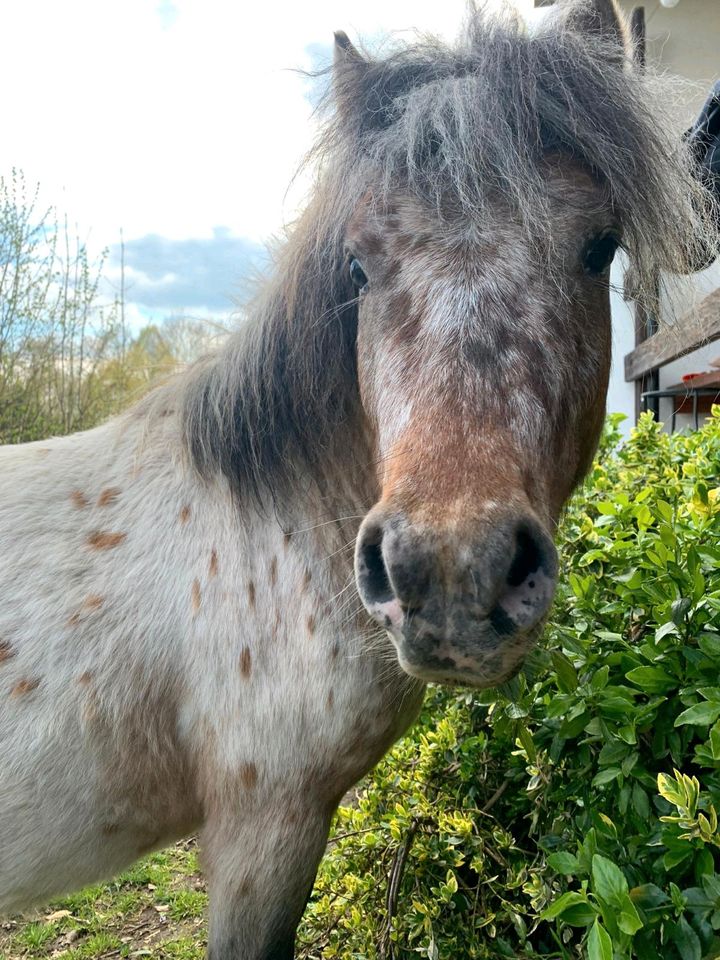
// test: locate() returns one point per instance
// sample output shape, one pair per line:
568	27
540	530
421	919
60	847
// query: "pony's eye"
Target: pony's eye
357	274
599	253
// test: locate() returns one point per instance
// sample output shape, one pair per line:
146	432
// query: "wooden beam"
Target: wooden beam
696	329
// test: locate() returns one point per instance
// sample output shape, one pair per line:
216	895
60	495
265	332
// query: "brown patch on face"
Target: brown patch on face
109	495
184	515
245	663
73	620
23	687
273	572
79	500
311	624
196	596
85	678
251	595
248	775
330	699
6	651
105	540
212	572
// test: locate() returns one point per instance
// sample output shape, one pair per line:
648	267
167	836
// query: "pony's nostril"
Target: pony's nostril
373	578
529	583
527	559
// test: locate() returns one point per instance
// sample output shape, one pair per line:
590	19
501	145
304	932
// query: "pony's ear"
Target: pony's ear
349	63
602	18
350	70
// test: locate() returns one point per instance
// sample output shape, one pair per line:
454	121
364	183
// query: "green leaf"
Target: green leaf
640	802
649	896
680	610
651	679
628	920
599	943
566	674
609	882
709	643
700	713
564	862
664	630
687	941
563	903
606	776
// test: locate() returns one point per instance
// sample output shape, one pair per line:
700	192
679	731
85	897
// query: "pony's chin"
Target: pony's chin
461	672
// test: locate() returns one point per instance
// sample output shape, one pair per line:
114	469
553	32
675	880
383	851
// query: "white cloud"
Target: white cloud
174	117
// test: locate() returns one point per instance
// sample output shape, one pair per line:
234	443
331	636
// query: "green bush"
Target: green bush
573	814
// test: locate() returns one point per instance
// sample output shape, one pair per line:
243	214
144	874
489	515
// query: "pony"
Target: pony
220	609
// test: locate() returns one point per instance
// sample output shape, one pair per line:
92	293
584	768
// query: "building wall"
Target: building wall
685	42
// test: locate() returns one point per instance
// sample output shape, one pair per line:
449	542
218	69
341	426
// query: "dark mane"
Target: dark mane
469	121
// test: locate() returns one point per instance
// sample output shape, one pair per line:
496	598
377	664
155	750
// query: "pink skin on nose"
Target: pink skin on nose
526	603
390	614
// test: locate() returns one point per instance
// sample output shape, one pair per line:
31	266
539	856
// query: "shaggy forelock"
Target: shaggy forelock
458	127
463	125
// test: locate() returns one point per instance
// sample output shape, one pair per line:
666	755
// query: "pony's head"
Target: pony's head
493	186
441	312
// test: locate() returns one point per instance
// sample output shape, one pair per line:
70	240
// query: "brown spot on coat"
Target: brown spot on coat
245	662
307	577
79	500
212	572
311	624
184	514
108	496
286	540
330	699
92	602
196	596
248	775
105	540
251	595
335	650
273	571
85	678
23	687
6	651
109	829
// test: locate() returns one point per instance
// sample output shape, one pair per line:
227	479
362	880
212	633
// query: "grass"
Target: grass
158	909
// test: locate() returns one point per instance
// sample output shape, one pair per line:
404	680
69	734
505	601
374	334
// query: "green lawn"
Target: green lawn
157	909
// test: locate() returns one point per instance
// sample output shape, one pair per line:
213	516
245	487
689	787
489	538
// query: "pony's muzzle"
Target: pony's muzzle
457	607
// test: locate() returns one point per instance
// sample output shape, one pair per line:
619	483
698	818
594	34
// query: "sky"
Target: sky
180	123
